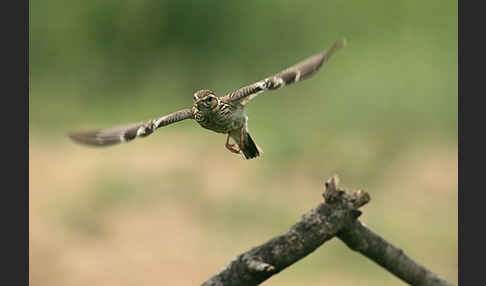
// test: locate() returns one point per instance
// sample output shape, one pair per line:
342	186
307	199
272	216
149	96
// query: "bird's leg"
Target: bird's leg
231	146
241	138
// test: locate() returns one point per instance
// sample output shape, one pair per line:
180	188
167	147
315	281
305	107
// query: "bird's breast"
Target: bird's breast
222	119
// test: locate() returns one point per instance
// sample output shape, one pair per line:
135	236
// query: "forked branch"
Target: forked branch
336	217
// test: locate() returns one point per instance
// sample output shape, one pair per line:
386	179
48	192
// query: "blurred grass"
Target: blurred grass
382	113
92	204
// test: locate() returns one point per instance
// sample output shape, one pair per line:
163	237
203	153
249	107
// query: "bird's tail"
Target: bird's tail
250	148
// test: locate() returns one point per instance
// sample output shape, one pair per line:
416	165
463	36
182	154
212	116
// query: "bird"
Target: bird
219	114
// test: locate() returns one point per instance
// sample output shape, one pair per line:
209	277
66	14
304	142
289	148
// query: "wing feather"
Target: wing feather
295	73
125	133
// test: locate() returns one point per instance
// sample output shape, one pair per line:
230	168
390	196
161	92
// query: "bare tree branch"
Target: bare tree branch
313	229
361	239
336	217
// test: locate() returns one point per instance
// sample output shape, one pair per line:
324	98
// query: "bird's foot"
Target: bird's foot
232	148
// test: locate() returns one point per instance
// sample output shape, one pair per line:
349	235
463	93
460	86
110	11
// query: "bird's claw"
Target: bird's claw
232	148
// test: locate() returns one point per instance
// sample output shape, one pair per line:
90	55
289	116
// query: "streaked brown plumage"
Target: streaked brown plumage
220	114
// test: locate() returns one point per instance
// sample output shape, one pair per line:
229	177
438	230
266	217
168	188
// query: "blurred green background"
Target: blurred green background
175	207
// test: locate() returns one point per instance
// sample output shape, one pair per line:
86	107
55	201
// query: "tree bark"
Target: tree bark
361	239
336	217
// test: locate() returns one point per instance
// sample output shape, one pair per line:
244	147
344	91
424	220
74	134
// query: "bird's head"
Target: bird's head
205	99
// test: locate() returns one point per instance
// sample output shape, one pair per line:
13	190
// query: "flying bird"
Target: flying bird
220	114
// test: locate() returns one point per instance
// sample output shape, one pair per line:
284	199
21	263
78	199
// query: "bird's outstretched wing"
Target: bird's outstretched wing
295	73
125	133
